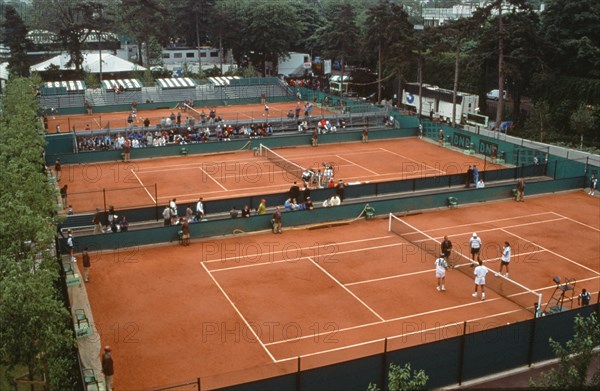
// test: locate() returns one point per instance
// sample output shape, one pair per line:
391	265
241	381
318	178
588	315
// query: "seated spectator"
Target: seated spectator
290	205
246	211
480	184
333	201
331	184
123	224
308	204
234	212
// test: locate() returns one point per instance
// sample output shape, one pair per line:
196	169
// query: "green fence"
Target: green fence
405	204
450	355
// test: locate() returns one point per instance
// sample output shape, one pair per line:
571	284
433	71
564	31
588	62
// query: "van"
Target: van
495	94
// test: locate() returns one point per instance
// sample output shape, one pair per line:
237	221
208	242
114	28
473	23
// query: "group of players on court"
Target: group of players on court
480	271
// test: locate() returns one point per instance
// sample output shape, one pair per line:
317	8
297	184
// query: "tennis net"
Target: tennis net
501	285
281	162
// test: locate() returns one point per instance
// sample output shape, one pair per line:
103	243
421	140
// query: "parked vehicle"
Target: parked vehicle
495	94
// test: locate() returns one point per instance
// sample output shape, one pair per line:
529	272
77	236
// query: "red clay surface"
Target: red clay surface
243	307
119	119
143	182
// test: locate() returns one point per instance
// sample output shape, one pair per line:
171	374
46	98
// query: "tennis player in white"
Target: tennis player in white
505	258
440	271
480	272
475	244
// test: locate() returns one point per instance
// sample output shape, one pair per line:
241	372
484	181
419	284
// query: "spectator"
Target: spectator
277	221
480	184
167	215
520	190
200	209
308	204
185	232
173	207
246	211
262	207
189	213
63	194
71	246
97	220
340	189
86	264
584	298
107	368
234	212
290	205
58	170
123	224
294	191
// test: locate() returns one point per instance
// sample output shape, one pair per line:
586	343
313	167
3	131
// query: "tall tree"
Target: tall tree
386	29
340	33
573	28
144	20
15	37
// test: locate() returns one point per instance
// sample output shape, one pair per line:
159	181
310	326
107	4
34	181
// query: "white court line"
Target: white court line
310	247
346	289
211	177
477	302
494	229
238	312
414	161
552	252
139	180
578	222
489	221
303	257
357	165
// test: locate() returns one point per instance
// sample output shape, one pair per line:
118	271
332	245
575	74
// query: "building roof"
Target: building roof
91	63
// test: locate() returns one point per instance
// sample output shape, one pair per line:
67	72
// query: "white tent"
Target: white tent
91	63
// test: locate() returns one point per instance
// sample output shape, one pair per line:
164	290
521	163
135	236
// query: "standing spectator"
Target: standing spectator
126	150
469	176
97	220
340	190
315	138
63	195
294	191
107	368
189	213
584	298
262	207
146	122
277	221
440	271
365	134
593	184
200	209
86	264
480	272
173	207
537	311
58	169
441	137
71	246
447	248
185	232
520	190
505	258
306	192
167	216
420	130
475	174
475	244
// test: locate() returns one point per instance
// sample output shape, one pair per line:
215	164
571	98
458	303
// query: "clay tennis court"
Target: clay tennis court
234	309
236	174
115	120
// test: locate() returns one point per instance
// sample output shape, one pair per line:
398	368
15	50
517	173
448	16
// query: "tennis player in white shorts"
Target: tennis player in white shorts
480	272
